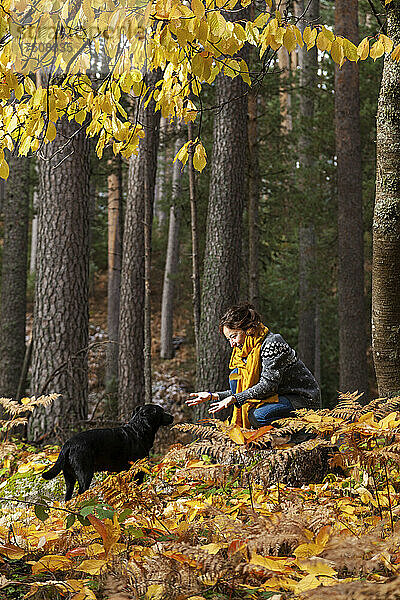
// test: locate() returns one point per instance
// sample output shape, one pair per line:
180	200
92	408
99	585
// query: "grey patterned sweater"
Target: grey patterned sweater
281	373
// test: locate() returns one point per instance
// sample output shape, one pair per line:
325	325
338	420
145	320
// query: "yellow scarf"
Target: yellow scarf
248	364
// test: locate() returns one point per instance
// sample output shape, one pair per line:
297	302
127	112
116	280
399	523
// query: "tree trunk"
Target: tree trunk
114	270
285	98
196	296
172	260
131	385
352	323
254	196
13	276
386	224
160	187
308	63
34	232
224	227
61	315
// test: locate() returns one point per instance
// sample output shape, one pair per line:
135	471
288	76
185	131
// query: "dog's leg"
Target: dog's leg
84	480
70	481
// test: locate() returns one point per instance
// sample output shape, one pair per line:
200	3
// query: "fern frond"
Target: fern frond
348	407
209	432
17	422
178	453
45	400
385	408
214	473
10	406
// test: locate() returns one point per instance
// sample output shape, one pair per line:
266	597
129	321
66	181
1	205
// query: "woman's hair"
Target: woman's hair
241	316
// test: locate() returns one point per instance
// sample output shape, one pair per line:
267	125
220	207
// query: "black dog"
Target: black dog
108	449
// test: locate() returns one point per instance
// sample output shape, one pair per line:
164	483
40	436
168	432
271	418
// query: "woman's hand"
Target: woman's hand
217	406
199	397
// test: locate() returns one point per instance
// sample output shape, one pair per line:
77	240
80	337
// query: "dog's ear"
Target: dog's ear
135	411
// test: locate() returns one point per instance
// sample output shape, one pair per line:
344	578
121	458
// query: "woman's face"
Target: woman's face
235	337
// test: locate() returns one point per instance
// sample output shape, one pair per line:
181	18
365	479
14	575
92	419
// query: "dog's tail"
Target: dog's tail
57	467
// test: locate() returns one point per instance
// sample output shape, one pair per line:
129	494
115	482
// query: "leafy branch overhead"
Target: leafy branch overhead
117	44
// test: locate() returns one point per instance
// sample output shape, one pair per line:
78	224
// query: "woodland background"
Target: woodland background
288	195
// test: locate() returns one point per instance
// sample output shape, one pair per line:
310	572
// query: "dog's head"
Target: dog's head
152	413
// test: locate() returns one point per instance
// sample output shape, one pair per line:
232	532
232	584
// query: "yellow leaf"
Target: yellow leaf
363	49
199	157
389	421
11	551
214	548
84	594
268	563
309	582
154	592
316	566
367	418
198	8
309	36
323	536
337	52
51	132
297	33
289	40
387	42
377	50
51	562
182	154
323	42
350	50
236	435
396	53
92	566
4	170
308	550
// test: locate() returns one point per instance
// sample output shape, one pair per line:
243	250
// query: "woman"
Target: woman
267	380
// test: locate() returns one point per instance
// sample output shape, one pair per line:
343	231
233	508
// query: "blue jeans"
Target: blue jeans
265	414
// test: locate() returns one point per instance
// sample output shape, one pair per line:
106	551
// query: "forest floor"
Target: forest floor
213	519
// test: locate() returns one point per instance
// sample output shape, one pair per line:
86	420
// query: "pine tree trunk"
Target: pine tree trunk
13	276
352	323
61	315
254	197
386	224
224	228
308	63
114	270
131	364
172	261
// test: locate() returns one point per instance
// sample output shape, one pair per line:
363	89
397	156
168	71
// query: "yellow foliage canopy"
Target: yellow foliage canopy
123	40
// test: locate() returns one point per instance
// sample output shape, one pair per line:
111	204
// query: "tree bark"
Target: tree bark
308	63
61	315
131	385
159	191
114	270
351	305
254	197
196	296
224	227
14	275
172	260
386	224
